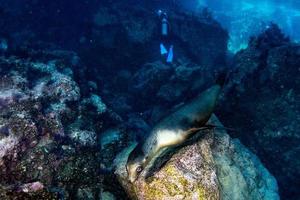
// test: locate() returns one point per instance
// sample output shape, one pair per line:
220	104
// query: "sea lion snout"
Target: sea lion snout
135	163
134	171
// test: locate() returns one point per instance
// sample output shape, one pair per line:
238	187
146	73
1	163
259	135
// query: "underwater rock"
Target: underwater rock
111	142
200	38
96	102
240	173
10	93
260	101
107	196
83	137
39	142
212	167
184	176
171	92
120	104
64	88
169	85
150	77
7	145
187	73
85	194
9	96
31	187
78	174
135	29
109	137
7	193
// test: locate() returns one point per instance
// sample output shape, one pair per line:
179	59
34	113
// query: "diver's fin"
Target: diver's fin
163	49
170	55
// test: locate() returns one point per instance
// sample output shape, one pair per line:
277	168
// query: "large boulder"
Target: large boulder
210	167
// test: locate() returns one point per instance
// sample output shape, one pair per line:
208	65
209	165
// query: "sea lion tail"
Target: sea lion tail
221	78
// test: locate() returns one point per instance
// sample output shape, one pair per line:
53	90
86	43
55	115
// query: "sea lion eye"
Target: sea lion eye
139	169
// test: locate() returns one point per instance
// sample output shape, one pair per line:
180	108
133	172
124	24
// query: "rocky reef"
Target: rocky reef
58	142
211	167
65	116
262	102
48	150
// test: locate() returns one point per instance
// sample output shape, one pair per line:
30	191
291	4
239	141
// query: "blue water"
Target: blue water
249	17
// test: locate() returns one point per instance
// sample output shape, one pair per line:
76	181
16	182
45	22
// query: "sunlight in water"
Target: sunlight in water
249	17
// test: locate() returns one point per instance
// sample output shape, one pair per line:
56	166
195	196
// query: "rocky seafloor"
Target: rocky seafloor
66	117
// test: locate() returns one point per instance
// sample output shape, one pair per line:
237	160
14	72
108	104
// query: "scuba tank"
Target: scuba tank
164	25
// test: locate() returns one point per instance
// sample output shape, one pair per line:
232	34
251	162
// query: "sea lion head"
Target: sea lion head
135	163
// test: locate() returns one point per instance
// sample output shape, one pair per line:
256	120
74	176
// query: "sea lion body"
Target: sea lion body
173	130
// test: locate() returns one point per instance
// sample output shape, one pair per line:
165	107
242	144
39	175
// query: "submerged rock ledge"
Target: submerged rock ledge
213	167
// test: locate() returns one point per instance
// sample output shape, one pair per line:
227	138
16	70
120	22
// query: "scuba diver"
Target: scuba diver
165	37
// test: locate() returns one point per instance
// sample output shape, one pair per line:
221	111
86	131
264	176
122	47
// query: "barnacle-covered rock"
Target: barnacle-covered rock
38	105
212	167
96	102
80	170
83	137
64	88
27	191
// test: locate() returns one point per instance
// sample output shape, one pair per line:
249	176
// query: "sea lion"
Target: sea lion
174	129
